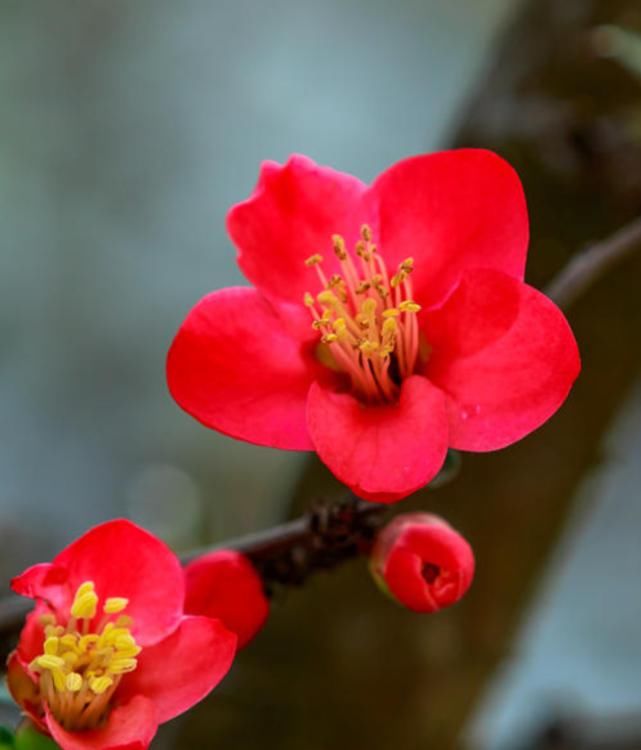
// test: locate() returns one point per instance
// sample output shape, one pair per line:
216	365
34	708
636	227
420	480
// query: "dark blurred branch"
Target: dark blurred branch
331	534
590	265
321	539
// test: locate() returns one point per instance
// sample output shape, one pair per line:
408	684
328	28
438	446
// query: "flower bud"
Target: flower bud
225	585
422	562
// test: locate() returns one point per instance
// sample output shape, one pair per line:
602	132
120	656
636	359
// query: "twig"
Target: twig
329	535
587	267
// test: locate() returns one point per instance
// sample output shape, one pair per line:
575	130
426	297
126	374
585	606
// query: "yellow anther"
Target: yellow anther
362	251
407	265
363	287
308	300
125	641
73	682
327	298
85	588
51	645
339	325
389	326
339	246
368	308
409	305
71	658
314	260
87	641
115	604
100	684
335	280
124	621
122	666
52	631
366	233
48	661
329	338
58	679
392	312
85	602
368	347
47	620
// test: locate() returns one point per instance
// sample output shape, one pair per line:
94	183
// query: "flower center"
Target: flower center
366	319
81	666
430	572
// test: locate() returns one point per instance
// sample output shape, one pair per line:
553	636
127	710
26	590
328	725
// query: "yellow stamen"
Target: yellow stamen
46	661
51	645
85	602
365	319
80	670
327	298
73	682
339	246
120	666
115	604
100	684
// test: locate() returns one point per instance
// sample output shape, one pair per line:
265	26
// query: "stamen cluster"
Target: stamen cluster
81	667
367	319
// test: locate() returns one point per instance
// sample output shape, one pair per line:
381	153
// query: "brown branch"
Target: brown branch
590	265
329	535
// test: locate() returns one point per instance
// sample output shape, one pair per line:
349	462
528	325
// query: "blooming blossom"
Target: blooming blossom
386	323
224	584
108	654
422	562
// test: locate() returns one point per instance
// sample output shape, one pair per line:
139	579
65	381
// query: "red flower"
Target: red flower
107	654
422	562
224	584
422	337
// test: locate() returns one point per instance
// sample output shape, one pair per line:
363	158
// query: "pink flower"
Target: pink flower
224	584
108	654
422	562
387	322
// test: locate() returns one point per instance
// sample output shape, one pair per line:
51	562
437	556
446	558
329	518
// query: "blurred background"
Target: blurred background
127	129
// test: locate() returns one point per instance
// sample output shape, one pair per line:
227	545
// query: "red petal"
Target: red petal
383	453
44	581
181	670
292	214
451	211
224	584
23	687
130	727
124	560
32	636
505	356
239	368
